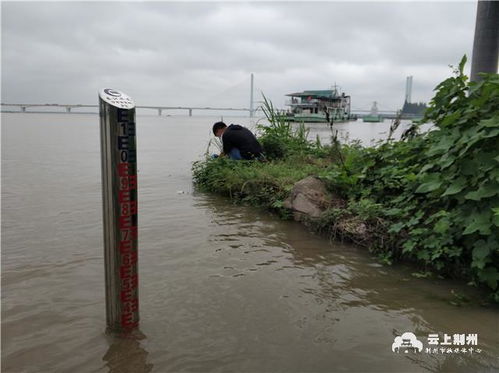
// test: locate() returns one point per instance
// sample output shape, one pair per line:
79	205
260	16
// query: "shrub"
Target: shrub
440	189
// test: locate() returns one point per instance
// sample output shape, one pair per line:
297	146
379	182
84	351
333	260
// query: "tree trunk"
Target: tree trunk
486	43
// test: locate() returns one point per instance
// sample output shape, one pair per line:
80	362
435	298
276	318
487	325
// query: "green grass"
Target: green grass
265	184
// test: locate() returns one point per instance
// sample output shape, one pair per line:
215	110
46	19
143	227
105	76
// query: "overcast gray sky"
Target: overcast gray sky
192	53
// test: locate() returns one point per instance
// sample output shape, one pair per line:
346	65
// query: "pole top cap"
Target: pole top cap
116	98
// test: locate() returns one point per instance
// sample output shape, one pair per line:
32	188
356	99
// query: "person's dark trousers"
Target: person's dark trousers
235	154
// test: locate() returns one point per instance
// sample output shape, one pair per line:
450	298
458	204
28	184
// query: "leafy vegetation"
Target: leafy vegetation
432	197
279	139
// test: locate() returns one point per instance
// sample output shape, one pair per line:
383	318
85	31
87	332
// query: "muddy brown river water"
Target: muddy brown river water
223	288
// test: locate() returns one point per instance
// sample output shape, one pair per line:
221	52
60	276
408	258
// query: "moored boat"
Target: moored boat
326	106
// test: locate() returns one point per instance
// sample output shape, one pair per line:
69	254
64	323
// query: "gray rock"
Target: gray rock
308	197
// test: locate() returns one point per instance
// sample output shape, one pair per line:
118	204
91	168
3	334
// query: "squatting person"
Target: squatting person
238	142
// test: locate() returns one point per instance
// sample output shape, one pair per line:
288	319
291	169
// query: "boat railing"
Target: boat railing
312	102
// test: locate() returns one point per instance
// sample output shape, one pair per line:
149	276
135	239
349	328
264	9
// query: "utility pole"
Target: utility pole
408	89
251	97
486	42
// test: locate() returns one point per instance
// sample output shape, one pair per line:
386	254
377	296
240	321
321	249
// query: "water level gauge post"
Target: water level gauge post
120	210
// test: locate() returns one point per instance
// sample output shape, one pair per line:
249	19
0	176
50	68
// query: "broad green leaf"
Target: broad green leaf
449	119
492	122
485	160
490	276
442	225
429	186
480	222
426	167
423	254
443	146
480	254
495	220
429	182
408	246
482	251
395	228
490	133
456	186
494	174
469	167
483	192
393	212
417	231
411	176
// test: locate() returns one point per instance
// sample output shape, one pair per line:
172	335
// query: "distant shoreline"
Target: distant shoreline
95	113
45	112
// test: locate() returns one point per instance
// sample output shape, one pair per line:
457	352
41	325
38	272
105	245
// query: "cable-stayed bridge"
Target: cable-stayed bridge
228	99
234	94
69	108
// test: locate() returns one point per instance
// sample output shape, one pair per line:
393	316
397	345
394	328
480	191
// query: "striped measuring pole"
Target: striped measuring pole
119	199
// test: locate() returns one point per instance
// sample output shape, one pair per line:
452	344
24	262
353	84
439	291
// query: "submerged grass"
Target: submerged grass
430	198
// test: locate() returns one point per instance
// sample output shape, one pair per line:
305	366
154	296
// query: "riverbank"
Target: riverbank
431	198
